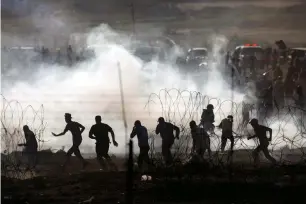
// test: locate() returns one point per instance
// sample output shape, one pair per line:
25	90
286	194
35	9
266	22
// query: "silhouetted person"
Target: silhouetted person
289	81
143	143
200	140
99	132
247	106
69	54
76	130
227	57
266	106
30	146
274	59
260	133
208	118
299	96
279	93
277	72
166	130
227	132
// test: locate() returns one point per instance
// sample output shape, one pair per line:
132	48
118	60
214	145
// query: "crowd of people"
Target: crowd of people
267	93
168	132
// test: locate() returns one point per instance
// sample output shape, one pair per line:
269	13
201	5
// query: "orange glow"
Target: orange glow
251	45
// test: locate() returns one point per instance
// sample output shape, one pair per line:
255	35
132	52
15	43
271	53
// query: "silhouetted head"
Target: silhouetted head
254	122
161	120
210	107
137	123
68	117
192	124
230	117
98	119
26	128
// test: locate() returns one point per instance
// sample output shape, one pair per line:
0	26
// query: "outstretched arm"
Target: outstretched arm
251	137
22	144
177	131
220	125
63	133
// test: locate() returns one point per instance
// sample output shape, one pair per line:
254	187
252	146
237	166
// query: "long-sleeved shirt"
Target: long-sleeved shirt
142	135
166	131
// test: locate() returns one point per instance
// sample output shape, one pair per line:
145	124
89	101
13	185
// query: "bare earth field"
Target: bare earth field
181	185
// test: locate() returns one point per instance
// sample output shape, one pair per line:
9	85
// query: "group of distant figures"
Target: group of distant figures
279	91
200	134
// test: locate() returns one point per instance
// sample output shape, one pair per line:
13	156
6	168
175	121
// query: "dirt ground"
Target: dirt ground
215	185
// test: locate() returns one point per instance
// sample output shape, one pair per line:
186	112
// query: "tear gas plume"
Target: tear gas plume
91	88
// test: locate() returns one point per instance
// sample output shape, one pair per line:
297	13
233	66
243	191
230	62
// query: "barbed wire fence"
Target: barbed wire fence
181	106
13	117
178	107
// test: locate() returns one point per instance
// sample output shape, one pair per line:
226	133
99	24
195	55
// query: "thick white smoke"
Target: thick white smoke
91	88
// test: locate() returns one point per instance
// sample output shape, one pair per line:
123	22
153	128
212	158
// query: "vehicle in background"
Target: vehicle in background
197	57
248	59
299	52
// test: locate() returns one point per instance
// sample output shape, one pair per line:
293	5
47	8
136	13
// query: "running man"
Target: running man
227	132
99	132
208	118
76	130
260	133
30	146
165	130
201	140
142	135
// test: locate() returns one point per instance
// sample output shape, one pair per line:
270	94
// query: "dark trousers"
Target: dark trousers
31	155
262	147
75	149
143	155
225	136
166	151
103	158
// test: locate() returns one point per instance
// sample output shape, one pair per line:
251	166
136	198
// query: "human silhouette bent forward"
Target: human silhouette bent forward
30	146
99	132
260	133
166	130
201	141
76	130
143	143
227	132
